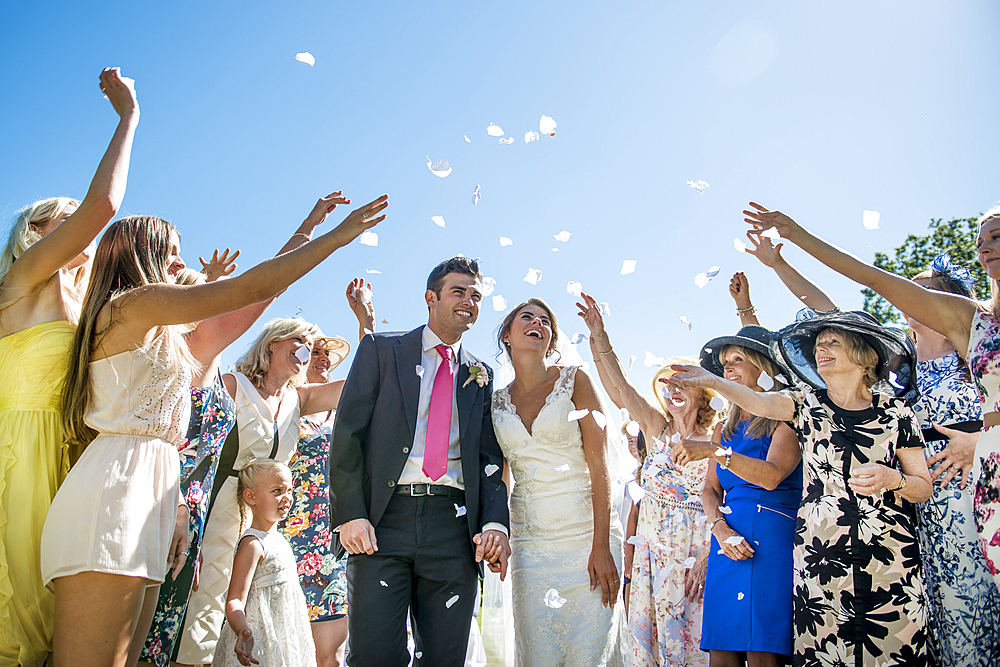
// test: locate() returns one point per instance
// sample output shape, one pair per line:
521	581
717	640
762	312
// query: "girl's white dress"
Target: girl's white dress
275	609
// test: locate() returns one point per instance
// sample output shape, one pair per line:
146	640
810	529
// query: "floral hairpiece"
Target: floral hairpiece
960	274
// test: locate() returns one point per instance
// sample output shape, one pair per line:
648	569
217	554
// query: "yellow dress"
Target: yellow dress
34	460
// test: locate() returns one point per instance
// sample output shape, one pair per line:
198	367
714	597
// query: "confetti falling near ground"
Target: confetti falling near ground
628	266
459	509
700	186
439	168
452	600
870	219
306	58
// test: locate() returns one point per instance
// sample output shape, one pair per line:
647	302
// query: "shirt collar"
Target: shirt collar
430	340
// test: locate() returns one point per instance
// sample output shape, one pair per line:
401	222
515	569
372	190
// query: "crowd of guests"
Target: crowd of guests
823	493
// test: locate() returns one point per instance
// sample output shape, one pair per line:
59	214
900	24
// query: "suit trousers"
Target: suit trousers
424	564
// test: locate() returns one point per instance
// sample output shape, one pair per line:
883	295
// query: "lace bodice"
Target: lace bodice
278	564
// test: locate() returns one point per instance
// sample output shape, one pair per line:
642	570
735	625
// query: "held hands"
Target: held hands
694	578
120	91
244	648
763	219
873	478
603	573
493	547
179	542
358	537
723	532
739	289
219	266
958	456
687	451
363	310
361	219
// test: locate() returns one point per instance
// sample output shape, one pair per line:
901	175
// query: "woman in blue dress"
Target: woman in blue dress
751	499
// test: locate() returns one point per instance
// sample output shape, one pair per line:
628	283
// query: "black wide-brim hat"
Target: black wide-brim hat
752	337
897	356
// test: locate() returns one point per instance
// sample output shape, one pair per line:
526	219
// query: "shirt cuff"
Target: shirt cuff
497	526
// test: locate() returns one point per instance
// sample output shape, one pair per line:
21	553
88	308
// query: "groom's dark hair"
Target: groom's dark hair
463	265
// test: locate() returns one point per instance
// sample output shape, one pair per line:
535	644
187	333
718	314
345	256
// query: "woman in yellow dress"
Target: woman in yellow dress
43	276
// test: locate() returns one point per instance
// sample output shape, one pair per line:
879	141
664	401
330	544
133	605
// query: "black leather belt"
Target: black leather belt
429	490
932	434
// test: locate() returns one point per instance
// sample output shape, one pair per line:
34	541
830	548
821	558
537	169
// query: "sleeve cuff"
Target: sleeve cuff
498	527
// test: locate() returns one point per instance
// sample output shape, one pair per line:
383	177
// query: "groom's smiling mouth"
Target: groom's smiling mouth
464	314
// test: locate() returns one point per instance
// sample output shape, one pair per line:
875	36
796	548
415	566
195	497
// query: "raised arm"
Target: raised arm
363	309
948	314
602	373
739	289
805	290
43	259
776	405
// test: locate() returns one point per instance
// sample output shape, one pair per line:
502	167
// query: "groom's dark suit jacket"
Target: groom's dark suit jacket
375	426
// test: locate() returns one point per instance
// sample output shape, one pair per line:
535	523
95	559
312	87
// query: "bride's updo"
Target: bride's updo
504	328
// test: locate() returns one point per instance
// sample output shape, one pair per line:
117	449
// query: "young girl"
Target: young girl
264	592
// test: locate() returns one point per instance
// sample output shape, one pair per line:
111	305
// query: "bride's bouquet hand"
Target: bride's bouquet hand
603	573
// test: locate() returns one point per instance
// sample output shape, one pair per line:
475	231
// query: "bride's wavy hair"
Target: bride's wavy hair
504	329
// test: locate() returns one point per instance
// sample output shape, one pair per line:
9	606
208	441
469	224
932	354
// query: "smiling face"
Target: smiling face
530	331
988	246
681	401
271	497
286	359
738	368
319	364
845	358
174	262
456	309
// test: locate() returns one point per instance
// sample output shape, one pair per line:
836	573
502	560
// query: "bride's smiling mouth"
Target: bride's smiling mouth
534	333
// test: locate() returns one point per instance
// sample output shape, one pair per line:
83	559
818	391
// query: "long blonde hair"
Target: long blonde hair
707	415
758	426
994	284
248	477
133	252
257	359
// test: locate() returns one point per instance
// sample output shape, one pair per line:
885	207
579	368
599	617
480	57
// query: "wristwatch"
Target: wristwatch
902	482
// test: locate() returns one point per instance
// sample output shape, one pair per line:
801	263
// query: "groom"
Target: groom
416	481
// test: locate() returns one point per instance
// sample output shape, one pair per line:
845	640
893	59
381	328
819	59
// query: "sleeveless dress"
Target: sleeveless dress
275	611
984	363
307	528
116	510
671	529
33	463
748	603
964	602
256	424
859	594
558	620
213	414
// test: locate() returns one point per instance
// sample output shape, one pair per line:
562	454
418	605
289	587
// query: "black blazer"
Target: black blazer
375	425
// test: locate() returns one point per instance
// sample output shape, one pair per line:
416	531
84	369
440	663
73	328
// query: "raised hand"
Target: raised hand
120	91
324	207
689	376
363	309
219	266
739	289
591	313
764	248
360	220
740	551
958	456
763	219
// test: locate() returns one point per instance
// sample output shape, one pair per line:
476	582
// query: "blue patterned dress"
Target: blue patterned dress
307	528
964	601
213	414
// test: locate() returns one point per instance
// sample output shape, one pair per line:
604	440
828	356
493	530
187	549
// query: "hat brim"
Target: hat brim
337	347
711	353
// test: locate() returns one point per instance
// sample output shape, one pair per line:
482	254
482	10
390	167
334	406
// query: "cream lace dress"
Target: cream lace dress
558	620
275	610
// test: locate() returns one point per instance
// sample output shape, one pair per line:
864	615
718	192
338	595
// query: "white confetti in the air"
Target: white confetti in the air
771	233
628	266
555	249
384	585
491	468
494	130
499	303
893	380
734	540
574	287
302	354
652	360
373	271
530	136
460	510
739	245
577	338
534	275
689	562
562	236
605	308
477	194
418	655
739	596
563	468
368	238
508	141
675	438
467	139
504	241
439	168
489	284
632	428
306	58
870	219
725	510
631	360
717	404
686	321
363	294
782	379
575	415
703	279
452	600
700	186
599	419
420	371
438	220
635	492
546	125
766	382
635	540
553	600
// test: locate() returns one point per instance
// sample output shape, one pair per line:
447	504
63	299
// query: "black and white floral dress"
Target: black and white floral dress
859	598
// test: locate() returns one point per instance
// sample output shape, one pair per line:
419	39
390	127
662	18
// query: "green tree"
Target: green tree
957	237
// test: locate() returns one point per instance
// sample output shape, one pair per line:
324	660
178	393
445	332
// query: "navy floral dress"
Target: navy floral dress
213	413
323	577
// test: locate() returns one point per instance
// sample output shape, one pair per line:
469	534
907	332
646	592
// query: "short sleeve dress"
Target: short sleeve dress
859	598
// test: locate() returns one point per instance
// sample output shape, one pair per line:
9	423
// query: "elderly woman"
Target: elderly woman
665	597
859	597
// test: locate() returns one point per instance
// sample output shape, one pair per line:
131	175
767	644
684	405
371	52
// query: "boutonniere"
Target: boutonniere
477	372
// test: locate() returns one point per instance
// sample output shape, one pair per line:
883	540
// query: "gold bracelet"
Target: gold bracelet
743	311
308	238
608	352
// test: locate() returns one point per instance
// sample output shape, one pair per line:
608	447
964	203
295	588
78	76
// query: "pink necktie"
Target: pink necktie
439	418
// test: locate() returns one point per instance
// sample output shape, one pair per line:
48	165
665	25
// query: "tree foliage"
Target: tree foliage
957	237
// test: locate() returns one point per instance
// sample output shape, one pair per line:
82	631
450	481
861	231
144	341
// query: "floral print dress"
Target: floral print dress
672	528
307	527
964	602
859	598
984	362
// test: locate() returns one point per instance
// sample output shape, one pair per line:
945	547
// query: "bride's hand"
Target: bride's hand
603	573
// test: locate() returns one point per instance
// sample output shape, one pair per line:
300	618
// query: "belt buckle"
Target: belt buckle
417	490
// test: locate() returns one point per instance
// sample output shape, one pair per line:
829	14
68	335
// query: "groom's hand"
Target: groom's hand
492	546
358	537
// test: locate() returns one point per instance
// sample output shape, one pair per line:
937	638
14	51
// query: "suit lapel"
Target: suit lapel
407	355
466	393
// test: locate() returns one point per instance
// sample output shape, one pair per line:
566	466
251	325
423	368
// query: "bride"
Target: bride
566	537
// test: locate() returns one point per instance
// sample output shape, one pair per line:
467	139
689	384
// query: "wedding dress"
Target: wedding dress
558	620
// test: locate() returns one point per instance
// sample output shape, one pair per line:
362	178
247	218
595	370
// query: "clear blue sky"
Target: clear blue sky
820	109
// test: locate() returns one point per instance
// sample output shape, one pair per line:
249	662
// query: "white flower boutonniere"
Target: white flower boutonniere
477	372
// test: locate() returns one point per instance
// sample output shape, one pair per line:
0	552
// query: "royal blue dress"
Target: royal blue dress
748	603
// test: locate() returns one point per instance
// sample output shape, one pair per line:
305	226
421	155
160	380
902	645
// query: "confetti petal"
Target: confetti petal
499	303
782	379
439	168
534	275
385	321
628	266
605	309
686	321
631	360
553	600
660	458
894	381
739	596
870	219
363	294
420	370
530	136
546	125
575	415
460	510
675	438
703	279
373	271
452	600
689	562
771	233
632	428
477	194
700	186
635	492
437	220
384	585
562	236
508	141
418	655
725	510
739	245
494	130
368	238
577	338
635	540
490	469
724	451
302	354
489	284
766	382
717	404
734	540
467	139
574	287
306	58
504	241
563	468
599	419
661	578
652	360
